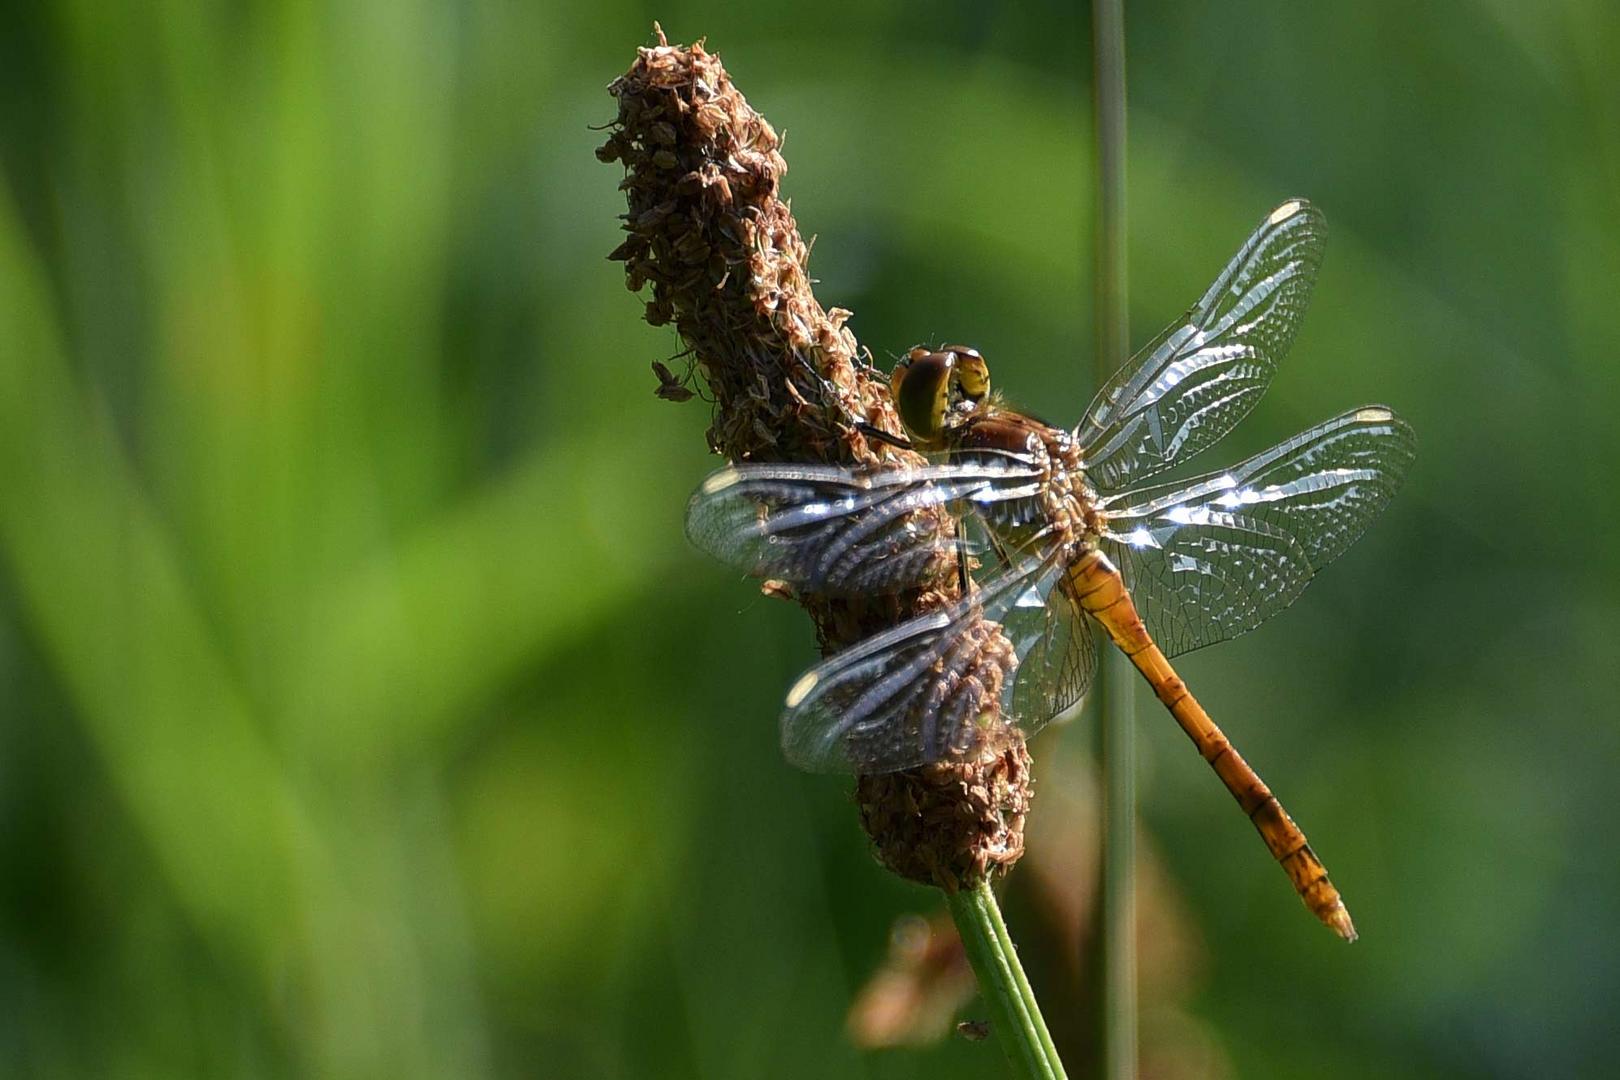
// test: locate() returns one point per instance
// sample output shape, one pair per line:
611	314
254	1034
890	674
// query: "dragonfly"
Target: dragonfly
1070	532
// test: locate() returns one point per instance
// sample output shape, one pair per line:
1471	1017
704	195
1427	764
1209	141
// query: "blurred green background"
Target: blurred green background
362	712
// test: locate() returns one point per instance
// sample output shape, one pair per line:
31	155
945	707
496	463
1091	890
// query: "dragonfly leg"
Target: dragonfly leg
1096	586
964	580
872	431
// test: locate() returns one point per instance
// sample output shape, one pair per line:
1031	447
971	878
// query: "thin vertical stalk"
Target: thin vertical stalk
1116	682
1014	1015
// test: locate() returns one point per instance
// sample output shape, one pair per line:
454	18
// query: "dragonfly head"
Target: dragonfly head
929	386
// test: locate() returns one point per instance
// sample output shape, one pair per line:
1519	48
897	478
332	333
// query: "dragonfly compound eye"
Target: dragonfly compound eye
921	386
971	372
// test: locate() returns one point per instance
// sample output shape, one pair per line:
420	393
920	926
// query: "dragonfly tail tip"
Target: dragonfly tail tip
1338	920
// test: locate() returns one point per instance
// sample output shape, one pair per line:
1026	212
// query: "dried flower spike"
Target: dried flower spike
709	232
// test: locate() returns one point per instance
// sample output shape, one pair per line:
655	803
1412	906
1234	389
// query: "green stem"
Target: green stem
1015	1016
1116	683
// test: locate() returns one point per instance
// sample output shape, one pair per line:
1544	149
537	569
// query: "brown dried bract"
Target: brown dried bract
709	232
925	980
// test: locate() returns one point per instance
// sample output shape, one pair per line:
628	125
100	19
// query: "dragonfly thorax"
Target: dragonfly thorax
1057	501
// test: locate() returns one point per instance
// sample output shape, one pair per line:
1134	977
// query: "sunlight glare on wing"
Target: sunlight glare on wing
720	480
840	531
1140	537
1233	548
798	691
1284	212
1030	598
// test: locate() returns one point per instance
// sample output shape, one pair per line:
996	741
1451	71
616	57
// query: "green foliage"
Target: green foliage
363	713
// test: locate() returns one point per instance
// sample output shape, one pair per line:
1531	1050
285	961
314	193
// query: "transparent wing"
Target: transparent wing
841	531
1057	656
1194	382
919	692
1057	660
1212	558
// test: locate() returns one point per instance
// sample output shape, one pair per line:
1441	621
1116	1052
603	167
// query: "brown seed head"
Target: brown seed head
710	233
953	823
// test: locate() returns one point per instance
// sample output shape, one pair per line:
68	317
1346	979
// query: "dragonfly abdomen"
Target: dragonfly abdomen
1097	588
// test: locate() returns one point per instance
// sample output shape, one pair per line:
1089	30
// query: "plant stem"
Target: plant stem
1015	1016
1116	683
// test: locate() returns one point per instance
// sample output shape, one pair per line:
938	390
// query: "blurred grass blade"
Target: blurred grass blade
105	588
1117	683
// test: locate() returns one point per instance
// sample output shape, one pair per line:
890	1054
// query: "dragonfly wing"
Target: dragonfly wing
1214	557
919	692
1057	660
1191	385
1053	640
837	531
